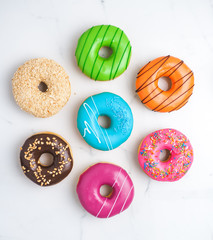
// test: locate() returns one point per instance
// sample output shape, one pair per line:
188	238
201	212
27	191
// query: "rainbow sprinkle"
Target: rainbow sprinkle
180	150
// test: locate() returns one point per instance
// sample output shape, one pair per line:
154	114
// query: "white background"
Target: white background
179	210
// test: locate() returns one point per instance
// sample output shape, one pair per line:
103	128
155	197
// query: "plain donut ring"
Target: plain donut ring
55	94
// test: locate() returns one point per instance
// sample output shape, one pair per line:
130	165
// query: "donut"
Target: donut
90	182
44	74
182	79
95	66
112	106
179	162
46	142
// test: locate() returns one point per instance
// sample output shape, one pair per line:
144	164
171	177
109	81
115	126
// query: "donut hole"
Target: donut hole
104	121
46	159
106	190
165	83
164	155
42	86
105	52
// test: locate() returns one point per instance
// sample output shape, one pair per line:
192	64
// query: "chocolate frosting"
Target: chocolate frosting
41	143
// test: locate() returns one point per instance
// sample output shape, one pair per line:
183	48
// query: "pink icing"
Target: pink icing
88	190
181	155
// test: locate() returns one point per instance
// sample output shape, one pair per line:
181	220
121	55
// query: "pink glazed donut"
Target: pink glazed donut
179	162
88	190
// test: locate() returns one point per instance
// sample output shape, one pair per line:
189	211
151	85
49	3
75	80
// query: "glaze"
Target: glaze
156	99
116	109
38	144
90	182
181	155
87	52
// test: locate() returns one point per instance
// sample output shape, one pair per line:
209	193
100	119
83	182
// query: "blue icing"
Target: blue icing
116	109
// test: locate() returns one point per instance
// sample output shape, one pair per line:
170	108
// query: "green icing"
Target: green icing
92	64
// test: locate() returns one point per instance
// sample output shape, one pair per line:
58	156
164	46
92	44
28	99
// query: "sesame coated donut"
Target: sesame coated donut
95	66
35	73
46	142
182	79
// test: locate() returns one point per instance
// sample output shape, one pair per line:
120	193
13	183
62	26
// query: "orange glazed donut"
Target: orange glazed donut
177	96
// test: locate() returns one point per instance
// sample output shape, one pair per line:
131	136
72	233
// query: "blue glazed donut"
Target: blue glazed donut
112	106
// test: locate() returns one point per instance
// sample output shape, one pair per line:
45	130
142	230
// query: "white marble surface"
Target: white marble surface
179	210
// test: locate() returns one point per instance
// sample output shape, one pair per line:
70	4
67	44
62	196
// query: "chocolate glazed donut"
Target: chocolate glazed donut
31	152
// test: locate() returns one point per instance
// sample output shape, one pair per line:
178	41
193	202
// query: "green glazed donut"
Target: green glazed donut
87	52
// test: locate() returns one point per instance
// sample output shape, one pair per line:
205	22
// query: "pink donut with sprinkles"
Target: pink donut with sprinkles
179	162
90	182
